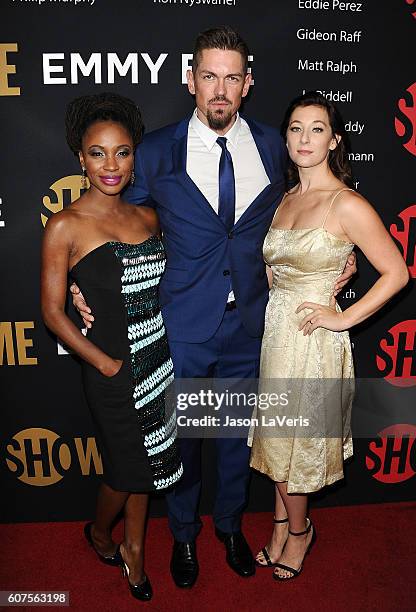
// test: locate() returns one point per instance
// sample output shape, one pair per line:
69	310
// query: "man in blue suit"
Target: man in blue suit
215	180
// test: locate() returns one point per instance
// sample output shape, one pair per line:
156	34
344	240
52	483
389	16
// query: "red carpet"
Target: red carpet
363	560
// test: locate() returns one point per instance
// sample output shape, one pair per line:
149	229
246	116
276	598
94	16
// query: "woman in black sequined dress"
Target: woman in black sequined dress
113	251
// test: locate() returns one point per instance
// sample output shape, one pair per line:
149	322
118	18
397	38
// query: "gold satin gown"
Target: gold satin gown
305	264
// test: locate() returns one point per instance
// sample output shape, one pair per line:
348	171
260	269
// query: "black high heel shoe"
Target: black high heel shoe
295	572
265	552
114	560
142	591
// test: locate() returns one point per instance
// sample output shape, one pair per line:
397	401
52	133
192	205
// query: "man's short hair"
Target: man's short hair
222	37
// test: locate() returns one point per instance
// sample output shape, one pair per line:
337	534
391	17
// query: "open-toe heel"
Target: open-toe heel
295	572
265	552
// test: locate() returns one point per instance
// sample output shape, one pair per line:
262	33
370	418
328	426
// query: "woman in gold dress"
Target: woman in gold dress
306	340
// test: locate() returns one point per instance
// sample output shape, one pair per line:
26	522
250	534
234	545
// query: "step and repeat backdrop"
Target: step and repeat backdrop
358	54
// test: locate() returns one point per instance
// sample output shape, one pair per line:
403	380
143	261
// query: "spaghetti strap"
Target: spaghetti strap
277	208
332	201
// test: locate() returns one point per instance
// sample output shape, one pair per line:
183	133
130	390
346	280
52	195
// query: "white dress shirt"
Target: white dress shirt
203	159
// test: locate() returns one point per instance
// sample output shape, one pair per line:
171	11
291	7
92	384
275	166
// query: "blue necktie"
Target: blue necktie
226	184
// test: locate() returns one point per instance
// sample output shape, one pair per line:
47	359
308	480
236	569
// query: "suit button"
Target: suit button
230	235
226	273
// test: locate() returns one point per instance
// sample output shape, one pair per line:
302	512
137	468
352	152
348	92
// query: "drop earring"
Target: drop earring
83	178
132	177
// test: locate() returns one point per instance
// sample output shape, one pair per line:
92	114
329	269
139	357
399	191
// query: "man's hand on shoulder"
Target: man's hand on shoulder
349	271
81	305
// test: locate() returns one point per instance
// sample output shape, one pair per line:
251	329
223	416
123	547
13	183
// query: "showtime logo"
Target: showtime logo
391	458
396	355
412	2
406	125
66	190
406	236
40	457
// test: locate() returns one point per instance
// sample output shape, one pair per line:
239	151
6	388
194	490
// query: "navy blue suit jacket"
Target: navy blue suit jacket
202	256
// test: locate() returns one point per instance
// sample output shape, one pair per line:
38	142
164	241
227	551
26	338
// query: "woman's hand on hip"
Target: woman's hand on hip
320	315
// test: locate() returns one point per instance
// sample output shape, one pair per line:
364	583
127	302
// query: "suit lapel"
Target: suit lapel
179	155
267	159
263	149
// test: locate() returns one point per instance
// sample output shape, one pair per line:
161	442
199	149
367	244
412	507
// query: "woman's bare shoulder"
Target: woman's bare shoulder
351	202
63	225
148	217
354	210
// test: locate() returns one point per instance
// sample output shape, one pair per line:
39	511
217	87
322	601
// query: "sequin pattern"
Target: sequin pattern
150	362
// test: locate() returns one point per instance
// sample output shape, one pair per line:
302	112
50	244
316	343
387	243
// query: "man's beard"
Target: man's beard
219	119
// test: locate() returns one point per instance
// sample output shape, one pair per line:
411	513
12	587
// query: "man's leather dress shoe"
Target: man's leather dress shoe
184	564
239	556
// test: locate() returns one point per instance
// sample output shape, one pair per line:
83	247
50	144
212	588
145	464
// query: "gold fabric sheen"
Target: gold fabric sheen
305	264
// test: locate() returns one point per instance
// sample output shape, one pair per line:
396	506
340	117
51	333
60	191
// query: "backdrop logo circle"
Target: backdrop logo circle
391	458
396	354
405	123
66	190
406	236
40	457
412	2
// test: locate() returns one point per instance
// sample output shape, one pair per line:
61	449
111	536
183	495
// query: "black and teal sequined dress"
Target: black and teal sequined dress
135	426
